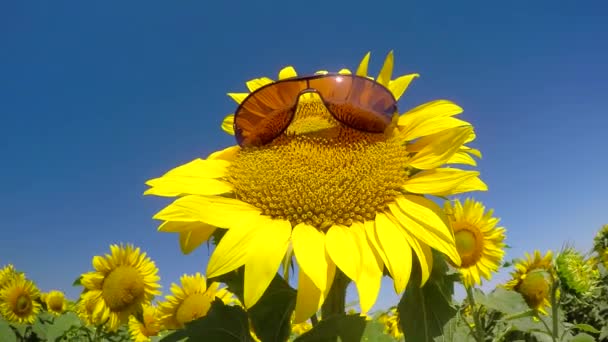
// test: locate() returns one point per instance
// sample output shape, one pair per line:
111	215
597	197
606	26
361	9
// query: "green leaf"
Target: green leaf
77	282
222	323
6	332
502	300
374	331
424	311
587	328
349	328
61	325
582	337
271	315
39	329
455	330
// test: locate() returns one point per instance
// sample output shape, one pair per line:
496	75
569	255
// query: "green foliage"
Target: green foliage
349	328
6	332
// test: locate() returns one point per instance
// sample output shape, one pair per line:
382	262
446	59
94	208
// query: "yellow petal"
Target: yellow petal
372	238
191	239
238	97
424	254
217	211
228	154
344	72
425	220
400	84
435	150
386	72
169	186
257	83
398	252
200	167
309	299
362	69
180	227
432	126
287	72
368	282
428	111
233	249
321	72
470	184
309	249
265	256
463	158
472	151
437	181
228	124
343	249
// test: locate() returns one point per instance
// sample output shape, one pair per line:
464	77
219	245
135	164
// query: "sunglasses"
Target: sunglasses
355	101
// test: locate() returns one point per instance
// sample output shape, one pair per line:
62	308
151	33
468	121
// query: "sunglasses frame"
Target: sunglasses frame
307	90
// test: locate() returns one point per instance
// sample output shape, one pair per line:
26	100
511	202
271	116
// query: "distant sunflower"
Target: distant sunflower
19	300
600	245
343	198
190	301
122	282
148	327
478	240
55	302
390	320
577	274
533	279
6	274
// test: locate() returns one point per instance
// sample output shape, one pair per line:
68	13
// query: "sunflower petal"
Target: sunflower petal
432	126
398	252
191	239
227	154
238	97
169	186
264	258
437	181
417	116
400	84
424	254
309	249
344	72
463	158
470	184
435	150
309	298
384	77
217	211
368	283
228	124
362	68
287	72
257	83
343	249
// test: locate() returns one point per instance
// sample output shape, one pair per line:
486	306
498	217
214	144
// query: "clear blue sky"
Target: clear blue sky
97	97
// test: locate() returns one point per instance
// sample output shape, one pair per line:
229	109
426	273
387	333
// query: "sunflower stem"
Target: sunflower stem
335	303
554	308
480	336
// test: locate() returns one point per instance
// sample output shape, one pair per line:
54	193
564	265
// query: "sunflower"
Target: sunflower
149	326
55	302
600	245
533	279
6	274
390	320
339	197
478	241
578	274
190	301
122	282
19	300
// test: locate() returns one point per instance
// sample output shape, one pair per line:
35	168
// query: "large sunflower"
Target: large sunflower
55	302
478	241
19	300
149	326
533	278
122	282
190	301
339	197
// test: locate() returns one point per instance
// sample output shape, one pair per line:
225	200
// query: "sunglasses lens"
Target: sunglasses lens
357	102
263	115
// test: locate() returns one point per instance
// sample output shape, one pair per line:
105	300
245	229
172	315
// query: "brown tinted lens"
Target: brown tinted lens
263	115
356	101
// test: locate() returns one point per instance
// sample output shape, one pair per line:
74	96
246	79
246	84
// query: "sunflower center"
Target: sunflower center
23	305
468	244
122	287
193	307
534	287
55	303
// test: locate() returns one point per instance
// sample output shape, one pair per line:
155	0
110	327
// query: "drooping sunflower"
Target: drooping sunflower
122	282
6	274
390	320
478	240
190	301
303	177
19	300
148	327
533	278
55	302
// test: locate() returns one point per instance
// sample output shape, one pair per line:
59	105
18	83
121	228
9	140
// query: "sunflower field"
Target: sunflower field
328	185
